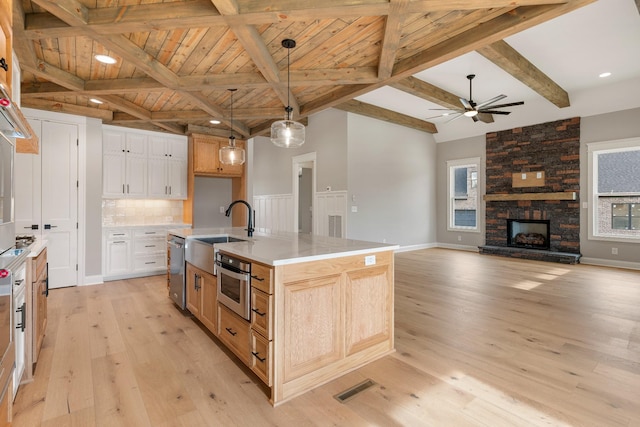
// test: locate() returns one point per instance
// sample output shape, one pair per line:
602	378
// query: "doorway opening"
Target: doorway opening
304	193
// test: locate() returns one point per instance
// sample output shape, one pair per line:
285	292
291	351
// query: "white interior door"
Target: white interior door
60	201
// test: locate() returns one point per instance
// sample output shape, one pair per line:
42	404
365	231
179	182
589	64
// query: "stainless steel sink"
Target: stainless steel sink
200	251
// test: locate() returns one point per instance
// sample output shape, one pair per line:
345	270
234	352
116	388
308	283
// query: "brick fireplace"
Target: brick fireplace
533	175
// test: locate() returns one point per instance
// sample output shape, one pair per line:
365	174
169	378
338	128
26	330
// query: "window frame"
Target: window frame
593	150
451	195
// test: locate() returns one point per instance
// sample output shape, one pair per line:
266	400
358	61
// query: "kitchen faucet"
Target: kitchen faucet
251	213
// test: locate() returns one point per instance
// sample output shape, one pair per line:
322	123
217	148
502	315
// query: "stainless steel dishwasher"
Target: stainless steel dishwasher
176	271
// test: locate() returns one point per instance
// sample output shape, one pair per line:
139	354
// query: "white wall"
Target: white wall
605	127
455	150
391	174
326	135
395	194
209	195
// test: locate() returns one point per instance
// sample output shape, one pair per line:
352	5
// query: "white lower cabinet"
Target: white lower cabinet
134	251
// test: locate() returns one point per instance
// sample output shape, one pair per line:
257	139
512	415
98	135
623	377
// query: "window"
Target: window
462	185
615	190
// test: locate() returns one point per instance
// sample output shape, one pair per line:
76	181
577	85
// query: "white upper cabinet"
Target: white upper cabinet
167	167
143	164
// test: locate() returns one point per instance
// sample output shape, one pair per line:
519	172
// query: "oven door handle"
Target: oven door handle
240	276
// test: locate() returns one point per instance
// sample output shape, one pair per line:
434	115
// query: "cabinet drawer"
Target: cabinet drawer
149	263
118	234
261	357
233	331
150	246
261	312
160	234
261	277
41	263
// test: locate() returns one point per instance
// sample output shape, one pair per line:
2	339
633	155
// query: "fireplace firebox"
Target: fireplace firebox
528	233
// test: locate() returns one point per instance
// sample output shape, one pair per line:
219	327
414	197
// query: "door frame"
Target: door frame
81	123
297	163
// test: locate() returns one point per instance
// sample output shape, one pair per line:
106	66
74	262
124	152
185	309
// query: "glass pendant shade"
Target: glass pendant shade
287	133
230	154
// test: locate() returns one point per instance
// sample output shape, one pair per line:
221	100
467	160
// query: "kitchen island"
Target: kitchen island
320	306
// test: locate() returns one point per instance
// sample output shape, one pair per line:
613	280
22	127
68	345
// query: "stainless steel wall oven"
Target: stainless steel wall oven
234	283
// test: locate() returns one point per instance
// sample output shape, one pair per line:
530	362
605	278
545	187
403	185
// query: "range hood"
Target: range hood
12	124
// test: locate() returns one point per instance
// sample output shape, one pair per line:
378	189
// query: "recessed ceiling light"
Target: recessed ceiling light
95	101
607	74
105	59
214	122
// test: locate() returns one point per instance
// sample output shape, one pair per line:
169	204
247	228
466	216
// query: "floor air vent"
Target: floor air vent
352	392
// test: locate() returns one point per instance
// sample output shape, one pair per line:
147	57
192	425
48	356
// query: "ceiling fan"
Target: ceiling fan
478	112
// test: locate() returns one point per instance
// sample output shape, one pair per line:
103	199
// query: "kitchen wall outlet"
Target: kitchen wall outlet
384	240
585	205
222	209
614	251
459	238
354	209
370	260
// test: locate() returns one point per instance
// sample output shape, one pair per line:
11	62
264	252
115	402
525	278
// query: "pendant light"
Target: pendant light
287	133
230	154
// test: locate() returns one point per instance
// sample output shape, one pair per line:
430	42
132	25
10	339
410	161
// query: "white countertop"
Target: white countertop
284	247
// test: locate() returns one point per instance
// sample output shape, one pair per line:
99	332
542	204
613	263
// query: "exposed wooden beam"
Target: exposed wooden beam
54	75
61	107
392	34
206	130
507	58
256	48
427	91
383	114
485	33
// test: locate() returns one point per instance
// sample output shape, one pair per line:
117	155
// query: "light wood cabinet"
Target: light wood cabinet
206	160
6	60
233	331
36	295
261	321
261	355
40	294
201	296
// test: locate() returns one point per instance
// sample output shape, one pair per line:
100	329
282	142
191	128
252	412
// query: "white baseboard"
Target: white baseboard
458	247
92	280
610	263
416	247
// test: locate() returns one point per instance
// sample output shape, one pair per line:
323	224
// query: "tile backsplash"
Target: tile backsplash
140	212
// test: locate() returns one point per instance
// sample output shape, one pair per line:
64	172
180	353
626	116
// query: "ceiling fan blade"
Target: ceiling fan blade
511	104
490	101
486	118
445	109
455	118
467	105
495	112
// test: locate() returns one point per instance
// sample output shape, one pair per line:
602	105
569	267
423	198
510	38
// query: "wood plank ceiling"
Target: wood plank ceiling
177	59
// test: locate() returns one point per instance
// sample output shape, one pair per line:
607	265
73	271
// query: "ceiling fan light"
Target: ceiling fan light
471	113
287	133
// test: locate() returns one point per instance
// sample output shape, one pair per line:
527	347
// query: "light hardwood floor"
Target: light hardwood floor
480	340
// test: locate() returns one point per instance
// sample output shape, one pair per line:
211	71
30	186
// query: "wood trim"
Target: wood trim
565	195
